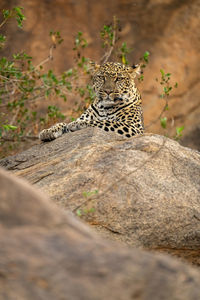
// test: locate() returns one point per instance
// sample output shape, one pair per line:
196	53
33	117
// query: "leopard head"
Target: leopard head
114	84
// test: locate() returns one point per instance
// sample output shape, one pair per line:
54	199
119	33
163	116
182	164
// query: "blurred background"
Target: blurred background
167	29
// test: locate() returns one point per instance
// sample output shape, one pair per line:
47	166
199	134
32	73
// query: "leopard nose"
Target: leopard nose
107	91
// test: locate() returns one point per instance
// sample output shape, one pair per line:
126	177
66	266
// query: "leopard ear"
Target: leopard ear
137	69
93	67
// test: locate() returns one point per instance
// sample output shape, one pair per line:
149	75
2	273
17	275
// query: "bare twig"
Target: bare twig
50	57
4	21
15	116
11	79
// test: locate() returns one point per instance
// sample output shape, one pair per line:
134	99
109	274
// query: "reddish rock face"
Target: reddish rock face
167	29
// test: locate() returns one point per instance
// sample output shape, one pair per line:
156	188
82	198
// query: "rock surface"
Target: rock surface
143	191
46	254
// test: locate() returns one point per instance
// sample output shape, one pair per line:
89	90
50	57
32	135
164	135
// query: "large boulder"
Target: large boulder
143	191
46	254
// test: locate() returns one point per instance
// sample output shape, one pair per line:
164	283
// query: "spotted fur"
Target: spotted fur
116	108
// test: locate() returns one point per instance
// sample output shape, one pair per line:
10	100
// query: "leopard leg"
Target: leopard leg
60	128
53	132
121	128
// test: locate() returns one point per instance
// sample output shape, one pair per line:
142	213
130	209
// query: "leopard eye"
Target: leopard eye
100	77
119	79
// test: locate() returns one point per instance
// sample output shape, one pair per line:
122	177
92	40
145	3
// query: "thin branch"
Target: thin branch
50	57
15	116
4	21
107	55
11	79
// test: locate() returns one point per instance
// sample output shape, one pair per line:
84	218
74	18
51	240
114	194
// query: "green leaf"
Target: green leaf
57	91
146	56
176	85
87	194
81	92
141	78
167	89
8	127
19	15
2	41
60	41
69	72
2	38
124	61
18	9
47	93
166	107
34	114
64	97
68	85
162	72
179	130
79	212
90	210
163	122
6	13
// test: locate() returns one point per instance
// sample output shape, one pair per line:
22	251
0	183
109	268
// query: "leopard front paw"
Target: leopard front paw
53	132
49	135
46	135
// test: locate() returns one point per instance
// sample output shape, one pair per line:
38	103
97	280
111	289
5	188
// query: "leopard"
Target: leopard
116	106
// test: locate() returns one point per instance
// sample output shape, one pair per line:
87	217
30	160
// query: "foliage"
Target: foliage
179	131
124	51
23	85
163	122
80	212
88	194
166	90
144	61
16	13
111	43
